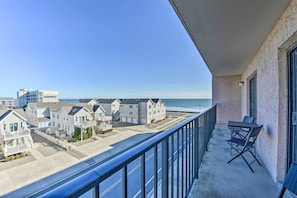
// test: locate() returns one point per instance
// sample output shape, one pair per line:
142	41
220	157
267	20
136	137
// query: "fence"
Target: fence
165	165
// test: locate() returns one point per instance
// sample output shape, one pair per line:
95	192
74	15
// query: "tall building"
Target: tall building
9	102
25	96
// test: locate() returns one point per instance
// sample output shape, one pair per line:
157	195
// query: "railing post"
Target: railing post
124	182
165	167
196	147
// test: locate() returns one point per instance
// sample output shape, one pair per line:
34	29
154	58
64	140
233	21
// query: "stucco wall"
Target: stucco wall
271	68
226	93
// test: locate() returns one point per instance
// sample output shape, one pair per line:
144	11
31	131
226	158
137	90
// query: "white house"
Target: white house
111	106
15	135
38	114
103	121
142	111
60	122
67	118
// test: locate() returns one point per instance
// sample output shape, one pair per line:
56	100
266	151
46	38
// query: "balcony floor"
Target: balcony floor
219	179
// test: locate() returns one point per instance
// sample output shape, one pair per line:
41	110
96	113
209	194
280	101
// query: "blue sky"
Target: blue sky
99	49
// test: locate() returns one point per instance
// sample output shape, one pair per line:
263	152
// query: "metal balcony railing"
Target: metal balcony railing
165	165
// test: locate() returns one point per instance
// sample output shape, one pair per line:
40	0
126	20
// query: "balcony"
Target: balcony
85	124
17	134
10	150
104	118
166	165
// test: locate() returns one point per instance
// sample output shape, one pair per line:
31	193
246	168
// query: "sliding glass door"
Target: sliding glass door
292	106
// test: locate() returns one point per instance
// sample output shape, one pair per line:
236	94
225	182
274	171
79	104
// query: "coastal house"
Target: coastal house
103	121
142	111
60	122
14	133
38	113
65	119
81	117
111	106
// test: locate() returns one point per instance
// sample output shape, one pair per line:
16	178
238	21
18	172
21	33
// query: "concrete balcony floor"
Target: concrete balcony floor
217	178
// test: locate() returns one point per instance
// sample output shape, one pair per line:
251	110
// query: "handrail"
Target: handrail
194	131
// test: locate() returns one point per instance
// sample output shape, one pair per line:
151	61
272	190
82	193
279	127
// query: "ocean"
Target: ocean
187	105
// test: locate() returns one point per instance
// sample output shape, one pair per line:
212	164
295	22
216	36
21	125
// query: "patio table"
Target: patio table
237	126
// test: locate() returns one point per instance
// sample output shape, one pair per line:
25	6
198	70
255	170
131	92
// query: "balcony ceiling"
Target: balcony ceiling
228	33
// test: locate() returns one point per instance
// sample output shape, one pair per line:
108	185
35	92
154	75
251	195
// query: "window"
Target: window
58	116
130	106
53	115
253	97
150	106
21	124
131	113
15	126
4	127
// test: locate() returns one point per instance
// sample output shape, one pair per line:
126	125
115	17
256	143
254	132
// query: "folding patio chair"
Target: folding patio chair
246	144
291	181
242	132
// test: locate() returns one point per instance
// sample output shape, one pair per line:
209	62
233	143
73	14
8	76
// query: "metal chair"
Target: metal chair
247	145
290	181
237	131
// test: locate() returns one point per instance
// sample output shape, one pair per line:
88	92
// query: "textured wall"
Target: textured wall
226	93
270	65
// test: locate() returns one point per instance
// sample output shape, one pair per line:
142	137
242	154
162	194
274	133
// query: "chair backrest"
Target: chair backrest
255	131
248	119
291	180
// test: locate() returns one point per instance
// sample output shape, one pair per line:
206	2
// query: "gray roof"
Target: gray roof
95	107
106	101
85	100
74	110
4	114
133	101
51	105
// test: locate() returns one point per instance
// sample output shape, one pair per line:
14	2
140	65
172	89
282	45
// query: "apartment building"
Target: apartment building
25	96
9	102
111	106
14	134
142	111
